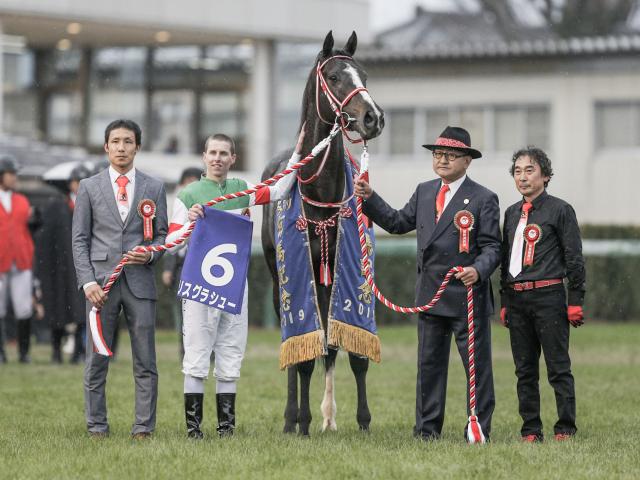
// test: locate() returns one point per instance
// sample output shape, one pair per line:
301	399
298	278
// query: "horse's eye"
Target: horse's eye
333	77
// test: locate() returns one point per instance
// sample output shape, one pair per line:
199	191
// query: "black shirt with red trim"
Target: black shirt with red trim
558	253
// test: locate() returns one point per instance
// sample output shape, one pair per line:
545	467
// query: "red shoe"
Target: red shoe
561	437
533	438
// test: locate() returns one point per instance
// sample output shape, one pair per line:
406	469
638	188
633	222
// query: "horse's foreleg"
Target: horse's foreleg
359	367
328	406
305	369
291	410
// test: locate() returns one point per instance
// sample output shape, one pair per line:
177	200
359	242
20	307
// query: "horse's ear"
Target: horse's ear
351	44
327	47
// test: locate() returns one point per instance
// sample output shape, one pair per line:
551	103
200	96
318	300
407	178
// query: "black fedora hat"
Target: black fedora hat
455	137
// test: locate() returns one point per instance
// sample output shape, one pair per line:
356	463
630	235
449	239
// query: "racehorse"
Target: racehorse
321	182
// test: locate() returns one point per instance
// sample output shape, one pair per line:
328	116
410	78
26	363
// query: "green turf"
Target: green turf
42	432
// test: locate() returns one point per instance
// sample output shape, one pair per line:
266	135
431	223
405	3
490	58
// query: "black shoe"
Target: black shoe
226	403
193	414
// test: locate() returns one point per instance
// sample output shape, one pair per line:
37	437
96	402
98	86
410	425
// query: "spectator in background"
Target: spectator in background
172	262
16	258
63	303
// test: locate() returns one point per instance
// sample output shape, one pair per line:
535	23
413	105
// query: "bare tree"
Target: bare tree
571	18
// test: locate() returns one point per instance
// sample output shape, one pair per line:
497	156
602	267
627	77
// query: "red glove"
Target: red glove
576	315
503	317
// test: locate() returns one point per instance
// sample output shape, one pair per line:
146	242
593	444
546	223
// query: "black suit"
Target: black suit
437	252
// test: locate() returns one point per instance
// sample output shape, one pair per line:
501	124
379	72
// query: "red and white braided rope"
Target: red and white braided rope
99	343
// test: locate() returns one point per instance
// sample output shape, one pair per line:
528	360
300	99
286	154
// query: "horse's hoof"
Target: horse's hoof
329	425
304	432
289	428
364	428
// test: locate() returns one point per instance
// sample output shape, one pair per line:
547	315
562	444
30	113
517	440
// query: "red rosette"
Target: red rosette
301	223
147	210
463	221
532	234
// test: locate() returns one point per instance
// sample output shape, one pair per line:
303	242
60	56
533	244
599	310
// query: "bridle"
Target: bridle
336	105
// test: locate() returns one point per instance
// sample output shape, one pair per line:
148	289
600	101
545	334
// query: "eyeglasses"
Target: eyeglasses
450	156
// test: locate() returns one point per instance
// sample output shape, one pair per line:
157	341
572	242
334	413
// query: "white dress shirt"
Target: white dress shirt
5	198
131	175
453	188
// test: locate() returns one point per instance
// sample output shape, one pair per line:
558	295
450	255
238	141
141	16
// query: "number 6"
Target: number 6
213	258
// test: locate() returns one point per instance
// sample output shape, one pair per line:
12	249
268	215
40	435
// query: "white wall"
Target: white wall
600	185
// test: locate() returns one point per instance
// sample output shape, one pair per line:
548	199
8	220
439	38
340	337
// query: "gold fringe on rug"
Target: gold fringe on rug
354	339
301	348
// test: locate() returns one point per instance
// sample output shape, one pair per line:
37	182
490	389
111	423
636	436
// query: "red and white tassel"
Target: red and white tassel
325	274
474	431
95	324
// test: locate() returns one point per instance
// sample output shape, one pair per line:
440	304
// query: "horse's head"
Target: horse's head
340	88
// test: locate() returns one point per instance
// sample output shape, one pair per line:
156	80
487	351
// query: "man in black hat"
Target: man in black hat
541	246
457	222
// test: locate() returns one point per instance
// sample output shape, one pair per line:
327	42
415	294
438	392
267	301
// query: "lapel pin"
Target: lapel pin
466	201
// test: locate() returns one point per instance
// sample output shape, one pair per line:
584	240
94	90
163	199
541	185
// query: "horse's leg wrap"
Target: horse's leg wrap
359	367
305	370
328	406
291	409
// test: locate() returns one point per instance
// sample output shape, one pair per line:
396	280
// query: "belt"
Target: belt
522	286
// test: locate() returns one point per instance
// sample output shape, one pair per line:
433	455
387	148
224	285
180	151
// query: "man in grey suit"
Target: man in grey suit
107	225
440	210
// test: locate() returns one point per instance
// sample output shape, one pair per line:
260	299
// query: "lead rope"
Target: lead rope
474	431
95	323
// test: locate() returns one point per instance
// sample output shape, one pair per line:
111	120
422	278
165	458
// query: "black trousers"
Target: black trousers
538	320
434	345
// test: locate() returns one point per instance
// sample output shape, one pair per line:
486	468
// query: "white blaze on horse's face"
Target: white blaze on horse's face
376	114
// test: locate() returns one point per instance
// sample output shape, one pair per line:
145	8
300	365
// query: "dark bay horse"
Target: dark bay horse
346	81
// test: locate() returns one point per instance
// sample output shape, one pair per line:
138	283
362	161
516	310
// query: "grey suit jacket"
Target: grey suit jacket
100	237
438	248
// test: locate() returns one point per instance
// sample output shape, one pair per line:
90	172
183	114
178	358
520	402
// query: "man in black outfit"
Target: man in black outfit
541	246
434	211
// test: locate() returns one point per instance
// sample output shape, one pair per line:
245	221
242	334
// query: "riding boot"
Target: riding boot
226	403
23	331
193	414
3	356
56	344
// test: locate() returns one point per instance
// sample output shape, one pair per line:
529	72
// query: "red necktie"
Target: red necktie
440	200
122	182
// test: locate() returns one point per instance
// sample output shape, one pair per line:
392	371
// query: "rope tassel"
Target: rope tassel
474	431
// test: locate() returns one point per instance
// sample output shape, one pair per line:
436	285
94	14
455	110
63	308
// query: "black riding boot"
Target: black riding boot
23	330
193	414
226	403
3	356
56	345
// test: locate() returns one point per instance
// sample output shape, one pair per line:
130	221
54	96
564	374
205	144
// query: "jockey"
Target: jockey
207	329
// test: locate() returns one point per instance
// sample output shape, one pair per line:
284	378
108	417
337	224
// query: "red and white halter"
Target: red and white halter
336	105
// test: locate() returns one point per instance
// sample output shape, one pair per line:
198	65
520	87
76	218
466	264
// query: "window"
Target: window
400	125
617	124
493	128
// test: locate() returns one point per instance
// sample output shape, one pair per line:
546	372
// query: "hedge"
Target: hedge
611	295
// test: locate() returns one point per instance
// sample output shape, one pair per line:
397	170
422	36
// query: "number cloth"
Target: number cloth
351	323
217	261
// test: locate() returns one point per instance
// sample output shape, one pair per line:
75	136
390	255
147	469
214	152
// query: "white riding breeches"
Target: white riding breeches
207	329
16	285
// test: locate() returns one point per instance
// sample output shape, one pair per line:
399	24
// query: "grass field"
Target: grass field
42	431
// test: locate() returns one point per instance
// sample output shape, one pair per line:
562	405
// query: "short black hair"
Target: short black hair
190	172
221	137
537	155
127	124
